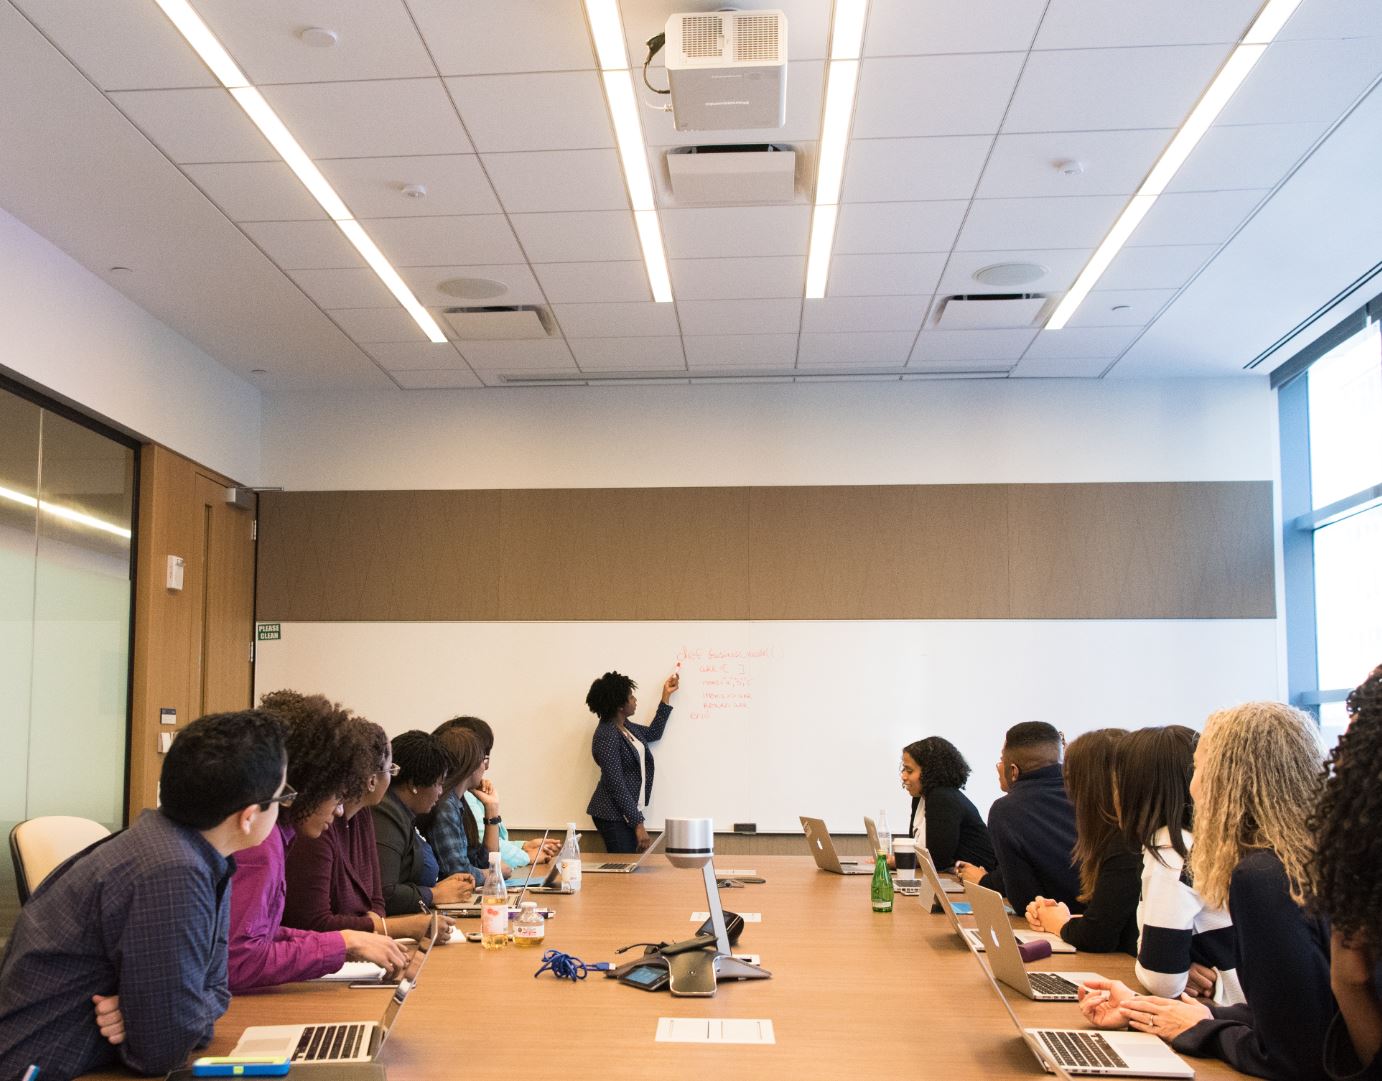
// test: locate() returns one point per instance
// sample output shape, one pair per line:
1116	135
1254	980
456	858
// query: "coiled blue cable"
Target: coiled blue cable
565	967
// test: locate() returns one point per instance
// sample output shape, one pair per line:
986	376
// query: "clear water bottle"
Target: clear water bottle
494	907
569	861
885	835
530	929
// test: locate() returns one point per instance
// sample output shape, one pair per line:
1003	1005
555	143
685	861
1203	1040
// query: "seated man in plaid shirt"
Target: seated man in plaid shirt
120	955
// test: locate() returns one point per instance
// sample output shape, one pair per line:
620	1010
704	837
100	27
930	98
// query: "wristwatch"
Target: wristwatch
494	821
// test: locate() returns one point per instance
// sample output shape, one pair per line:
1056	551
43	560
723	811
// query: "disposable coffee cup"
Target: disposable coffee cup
905	853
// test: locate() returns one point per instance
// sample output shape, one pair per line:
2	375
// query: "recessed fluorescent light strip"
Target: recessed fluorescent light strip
1241	61
197	34
65	513
608	32
726	375
842	77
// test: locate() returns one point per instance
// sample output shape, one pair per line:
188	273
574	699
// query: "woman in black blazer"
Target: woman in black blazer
944	821
407	868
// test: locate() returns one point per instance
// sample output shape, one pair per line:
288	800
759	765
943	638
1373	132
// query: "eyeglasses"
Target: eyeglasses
285	797
392	771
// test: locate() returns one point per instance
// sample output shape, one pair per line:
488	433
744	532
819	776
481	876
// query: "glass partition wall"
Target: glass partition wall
67	499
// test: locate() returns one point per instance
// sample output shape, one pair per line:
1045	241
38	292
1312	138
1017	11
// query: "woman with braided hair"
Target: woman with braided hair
1345	885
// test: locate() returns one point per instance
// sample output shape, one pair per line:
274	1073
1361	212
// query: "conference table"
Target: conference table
852	992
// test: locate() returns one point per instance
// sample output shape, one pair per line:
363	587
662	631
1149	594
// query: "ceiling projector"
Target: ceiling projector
727	70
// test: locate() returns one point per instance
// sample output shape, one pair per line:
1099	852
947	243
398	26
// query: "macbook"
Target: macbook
341	1041
823	850
937	894
1000	944
1089	1051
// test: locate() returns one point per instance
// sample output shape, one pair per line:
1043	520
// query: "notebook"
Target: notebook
823	850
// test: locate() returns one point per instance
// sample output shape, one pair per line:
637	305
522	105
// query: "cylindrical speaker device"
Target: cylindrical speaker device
690	841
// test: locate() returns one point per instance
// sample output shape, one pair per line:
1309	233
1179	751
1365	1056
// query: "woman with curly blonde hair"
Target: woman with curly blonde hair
1256	782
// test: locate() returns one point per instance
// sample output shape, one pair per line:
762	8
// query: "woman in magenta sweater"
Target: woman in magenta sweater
328	762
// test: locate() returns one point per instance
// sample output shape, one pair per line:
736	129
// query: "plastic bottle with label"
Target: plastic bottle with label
569	861
885	835
494	907
530	929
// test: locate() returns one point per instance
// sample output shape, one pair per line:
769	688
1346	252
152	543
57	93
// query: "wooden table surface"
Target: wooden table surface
852	992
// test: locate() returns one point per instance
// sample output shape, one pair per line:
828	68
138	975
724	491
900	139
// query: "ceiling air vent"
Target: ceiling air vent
498	324
993	311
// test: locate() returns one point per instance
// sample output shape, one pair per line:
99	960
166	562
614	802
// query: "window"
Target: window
1332	506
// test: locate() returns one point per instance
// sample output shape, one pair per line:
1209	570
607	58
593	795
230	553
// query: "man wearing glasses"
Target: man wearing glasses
120	954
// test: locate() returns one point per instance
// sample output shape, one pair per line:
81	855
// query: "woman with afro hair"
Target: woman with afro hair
1346	885
620	749
944	821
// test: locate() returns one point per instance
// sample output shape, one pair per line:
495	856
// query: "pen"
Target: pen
31	1073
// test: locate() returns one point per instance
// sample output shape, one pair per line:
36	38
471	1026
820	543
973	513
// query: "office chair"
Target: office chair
40	844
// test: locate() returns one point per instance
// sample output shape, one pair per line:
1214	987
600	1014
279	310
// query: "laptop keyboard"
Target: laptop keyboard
1048	983
1075	1049
329	1042
610	866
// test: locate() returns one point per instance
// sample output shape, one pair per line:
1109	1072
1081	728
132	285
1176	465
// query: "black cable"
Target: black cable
654	44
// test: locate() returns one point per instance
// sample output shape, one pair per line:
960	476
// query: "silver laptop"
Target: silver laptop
340	1041
616	868
1074	1051
823	850
937	893
1000	944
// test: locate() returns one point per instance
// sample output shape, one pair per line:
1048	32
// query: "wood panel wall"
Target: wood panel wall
1198	550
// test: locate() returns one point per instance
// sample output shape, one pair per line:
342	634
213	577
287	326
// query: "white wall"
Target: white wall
73	335
990	431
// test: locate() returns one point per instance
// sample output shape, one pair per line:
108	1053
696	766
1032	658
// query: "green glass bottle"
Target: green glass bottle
882	886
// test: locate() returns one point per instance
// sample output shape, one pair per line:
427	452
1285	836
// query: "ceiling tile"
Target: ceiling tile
303	245
721	352
1139	306
729	279
119	44
442	242
1200	217
628	354
577	283
534	111
1097	24
1077	222
871	349
551	180
540	353
444	379
1069	368
357	288
366	325
1299	81
970	345
862	314
805	85
1244	156
934	95
195	125
1086	89
1157	267
374	40
740	316
517	35
521	286
1062	265
373	187
916	27
646	320
1082	342
417	356
885	275
256	191
905	170
726	232
1113	163
808	25
382	118
1332	19
577	237
876	228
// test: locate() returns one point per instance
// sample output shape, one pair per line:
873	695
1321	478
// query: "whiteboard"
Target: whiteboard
774	719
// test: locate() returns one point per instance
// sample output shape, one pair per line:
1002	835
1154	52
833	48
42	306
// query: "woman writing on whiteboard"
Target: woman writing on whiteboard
620	749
